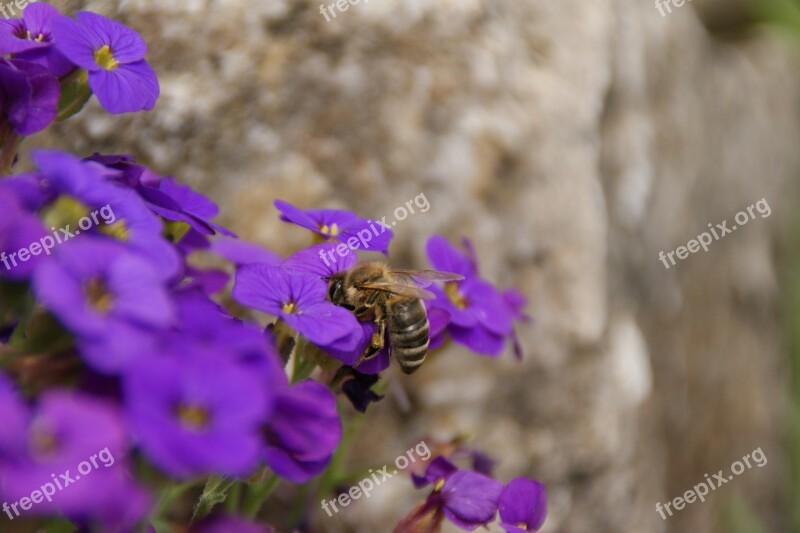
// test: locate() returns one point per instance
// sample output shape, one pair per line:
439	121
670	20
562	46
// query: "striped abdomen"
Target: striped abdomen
408	333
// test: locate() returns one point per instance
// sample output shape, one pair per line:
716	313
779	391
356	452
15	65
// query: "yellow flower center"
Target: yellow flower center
104	57
332	230
439	484
452	291
118	230
290	307
193	416
98	295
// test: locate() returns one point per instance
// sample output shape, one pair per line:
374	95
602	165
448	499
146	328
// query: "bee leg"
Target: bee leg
375	345
378	336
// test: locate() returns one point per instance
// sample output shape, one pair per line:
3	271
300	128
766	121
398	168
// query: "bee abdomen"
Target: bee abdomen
409	335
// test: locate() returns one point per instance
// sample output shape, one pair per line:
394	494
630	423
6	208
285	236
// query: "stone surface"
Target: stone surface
573	141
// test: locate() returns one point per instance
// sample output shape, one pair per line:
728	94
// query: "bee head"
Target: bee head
336	290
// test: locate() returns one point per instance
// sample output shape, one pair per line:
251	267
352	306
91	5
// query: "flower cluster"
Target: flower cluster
117	336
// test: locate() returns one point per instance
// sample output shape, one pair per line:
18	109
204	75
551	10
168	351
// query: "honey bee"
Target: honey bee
393	299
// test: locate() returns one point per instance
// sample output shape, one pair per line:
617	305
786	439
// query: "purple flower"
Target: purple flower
18	230
298	299
358	389
303	431
164	196
467	499
344	226
29	95
31	38
74	447
94	284
114	56
123	215
479	316
523	506
196	414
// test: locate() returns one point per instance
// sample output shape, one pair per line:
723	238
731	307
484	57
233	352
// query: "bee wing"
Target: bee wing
424	278
408	291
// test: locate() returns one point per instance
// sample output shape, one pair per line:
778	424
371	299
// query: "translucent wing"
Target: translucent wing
400	289
423	278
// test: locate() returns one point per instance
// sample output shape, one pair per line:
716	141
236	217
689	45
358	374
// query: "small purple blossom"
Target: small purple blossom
299	299
303	431
164	196
31	38
340	225
196	414
18	230
93	284
523	506
113	54
466	498
130	221
63	431
479	316
28	96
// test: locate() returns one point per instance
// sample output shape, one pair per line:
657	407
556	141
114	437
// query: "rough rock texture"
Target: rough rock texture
573	141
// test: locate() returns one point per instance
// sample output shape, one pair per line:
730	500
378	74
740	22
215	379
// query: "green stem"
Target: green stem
215	492
11	142
303	365
167	496
75	92
258	494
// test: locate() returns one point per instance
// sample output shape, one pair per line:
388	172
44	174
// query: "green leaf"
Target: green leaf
75	92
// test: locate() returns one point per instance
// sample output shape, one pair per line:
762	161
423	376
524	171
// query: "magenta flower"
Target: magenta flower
31	38
114	56
523	506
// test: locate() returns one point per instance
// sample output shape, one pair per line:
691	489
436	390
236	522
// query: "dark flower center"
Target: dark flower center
98	295
24	33
193	417
43	441
104	58
454	293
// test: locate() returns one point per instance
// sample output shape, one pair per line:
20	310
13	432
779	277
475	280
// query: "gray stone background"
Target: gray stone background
572	140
